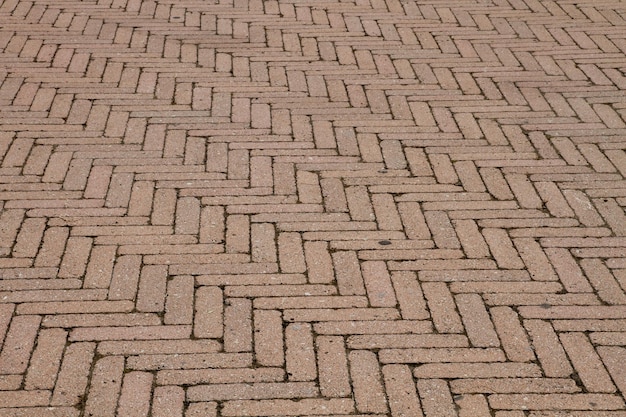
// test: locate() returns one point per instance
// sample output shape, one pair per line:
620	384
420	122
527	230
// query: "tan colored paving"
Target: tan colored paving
383	208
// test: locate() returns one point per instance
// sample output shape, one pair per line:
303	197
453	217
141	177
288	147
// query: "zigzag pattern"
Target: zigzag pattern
375	208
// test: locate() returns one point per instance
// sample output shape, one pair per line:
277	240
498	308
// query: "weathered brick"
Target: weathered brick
221	209
105	386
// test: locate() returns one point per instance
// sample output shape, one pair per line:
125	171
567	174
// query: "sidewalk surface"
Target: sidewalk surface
384	208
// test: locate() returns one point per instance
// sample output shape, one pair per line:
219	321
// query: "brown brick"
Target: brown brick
263	237
477	370
378	284
410	296
603	281
238	325
436	398
147	347
111	319
125	278
287	407
179	300
333	366
189	361
105	386
299	354
587	363
46	359
168	401
18	344
11	220
29	238
348	273
73	377
392	341
100	267
208	314
52	247
612	358
152	288
237	234
502	249
130	333
367	382
11	382
164	207
136	394
548	349
318	262
445	202
568	270
512	334
401	392
473	405
537	263
291	253
435	355
471	239
442	230
514	385
255	391
442	308
24	398
478	324
268	340
219	376
208	409
374	327
556	402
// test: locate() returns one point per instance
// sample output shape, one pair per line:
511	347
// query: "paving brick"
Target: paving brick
436	398
24	398
409	295
514	385
478	324
549	351
18	344
556	402
238	325
46	359
168	401
287	407
208	409
179	300
209	313
189	361
220	209
476	370
591	371
502	249
512	335
603	281
157	347
333	367
105	386
442	308
136	394
268	347
299	353
73	376
253	391
151	291
130	333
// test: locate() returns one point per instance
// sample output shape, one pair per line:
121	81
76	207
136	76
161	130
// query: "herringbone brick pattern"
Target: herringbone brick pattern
375	208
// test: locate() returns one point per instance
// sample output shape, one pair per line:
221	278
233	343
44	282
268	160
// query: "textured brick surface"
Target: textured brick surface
378	208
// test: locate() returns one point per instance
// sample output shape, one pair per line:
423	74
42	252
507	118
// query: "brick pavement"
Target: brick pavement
375	208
